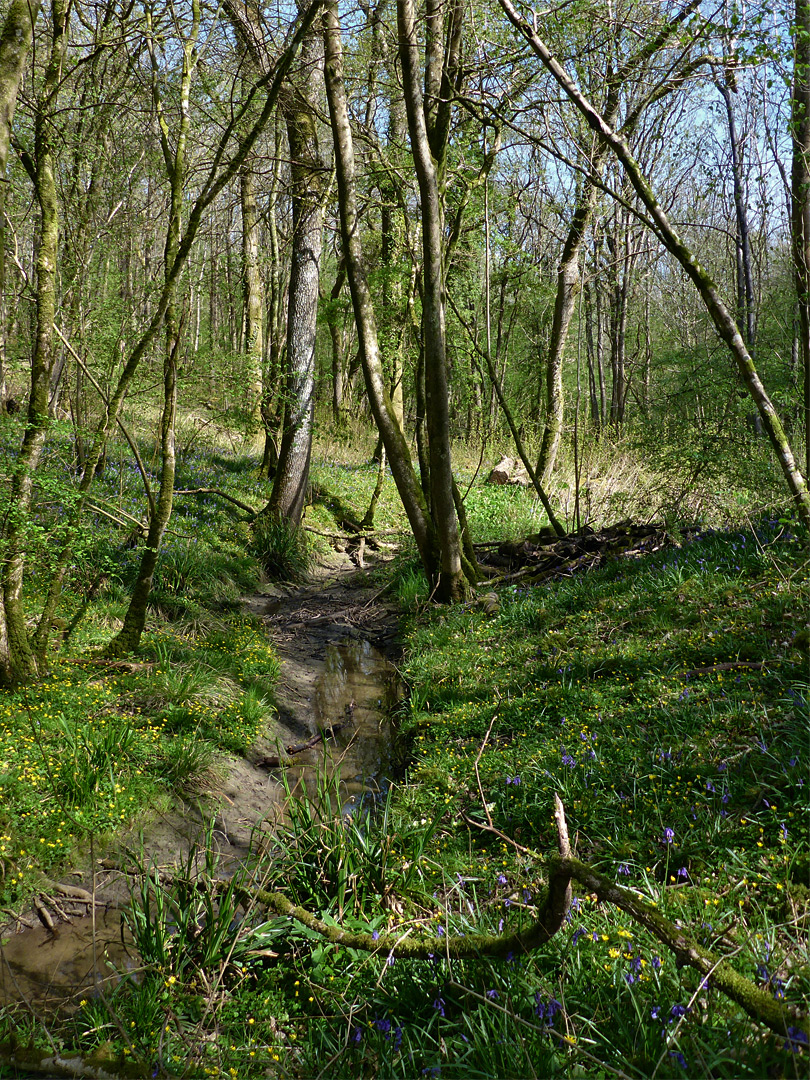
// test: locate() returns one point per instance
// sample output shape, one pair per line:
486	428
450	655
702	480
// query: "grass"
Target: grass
682	778
687	784
91	748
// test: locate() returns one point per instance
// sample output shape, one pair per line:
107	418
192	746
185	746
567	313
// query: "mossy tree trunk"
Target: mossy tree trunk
396	446
800	198
252	295
21	664
428	126
128	638
308	172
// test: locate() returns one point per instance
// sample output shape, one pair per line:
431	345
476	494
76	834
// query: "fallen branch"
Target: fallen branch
784	1019
222	495
731	665
273	761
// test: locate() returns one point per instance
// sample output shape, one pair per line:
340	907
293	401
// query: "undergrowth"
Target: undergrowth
664	699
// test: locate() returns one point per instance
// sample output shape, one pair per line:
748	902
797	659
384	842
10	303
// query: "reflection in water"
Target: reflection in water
357	690
52	970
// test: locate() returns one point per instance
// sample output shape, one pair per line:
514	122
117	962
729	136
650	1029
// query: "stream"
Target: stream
336	681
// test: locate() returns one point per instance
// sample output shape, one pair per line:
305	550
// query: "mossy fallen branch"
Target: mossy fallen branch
784	1019
31	1061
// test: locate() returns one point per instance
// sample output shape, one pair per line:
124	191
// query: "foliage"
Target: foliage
281	548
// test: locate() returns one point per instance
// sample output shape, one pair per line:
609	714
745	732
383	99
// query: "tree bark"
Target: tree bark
252	296
15	43
288	498
451	584
800	200
128	638
396	447
22	662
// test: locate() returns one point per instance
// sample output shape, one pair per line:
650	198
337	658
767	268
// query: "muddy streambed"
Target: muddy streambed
334	704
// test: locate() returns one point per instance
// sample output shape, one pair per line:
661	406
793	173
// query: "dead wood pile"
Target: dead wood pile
544	555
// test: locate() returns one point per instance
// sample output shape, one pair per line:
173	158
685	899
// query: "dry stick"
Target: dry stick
475	766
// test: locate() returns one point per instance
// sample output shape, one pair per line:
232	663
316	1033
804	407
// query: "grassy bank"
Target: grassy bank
664	699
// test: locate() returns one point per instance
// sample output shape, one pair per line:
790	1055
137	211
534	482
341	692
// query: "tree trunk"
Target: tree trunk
128	638
744	274
451	584
410	492
253	300
800	200
15	43
308	176
22	664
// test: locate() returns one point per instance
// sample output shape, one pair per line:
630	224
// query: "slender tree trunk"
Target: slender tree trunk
15	43
410	491
724	323
452	583
800	201
291	481
128	638
276	322
744	274
253	299
334	320
590	345
22	658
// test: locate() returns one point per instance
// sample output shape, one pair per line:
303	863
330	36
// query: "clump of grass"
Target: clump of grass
281	548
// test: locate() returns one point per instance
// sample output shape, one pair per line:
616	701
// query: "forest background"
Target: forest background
230	234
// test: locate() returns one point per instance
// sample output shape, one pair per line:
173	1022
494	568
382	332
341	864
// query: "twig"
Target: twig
475	766
501	836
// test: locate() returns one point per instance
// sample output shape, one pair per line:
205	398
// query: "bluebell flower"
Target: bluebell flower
796	1038
669	836
678	1057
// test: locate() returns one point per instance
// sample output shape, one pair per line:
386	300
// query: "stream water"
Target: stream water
357	688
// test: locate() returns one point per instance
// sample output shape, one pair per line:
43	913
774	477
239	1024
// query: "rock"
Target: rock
509	471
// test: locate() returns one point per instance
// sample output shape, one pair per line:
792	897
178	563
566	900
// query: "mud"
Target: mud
336	638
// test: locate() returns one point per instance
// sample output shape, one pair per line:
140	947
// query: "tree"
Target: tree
660	224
